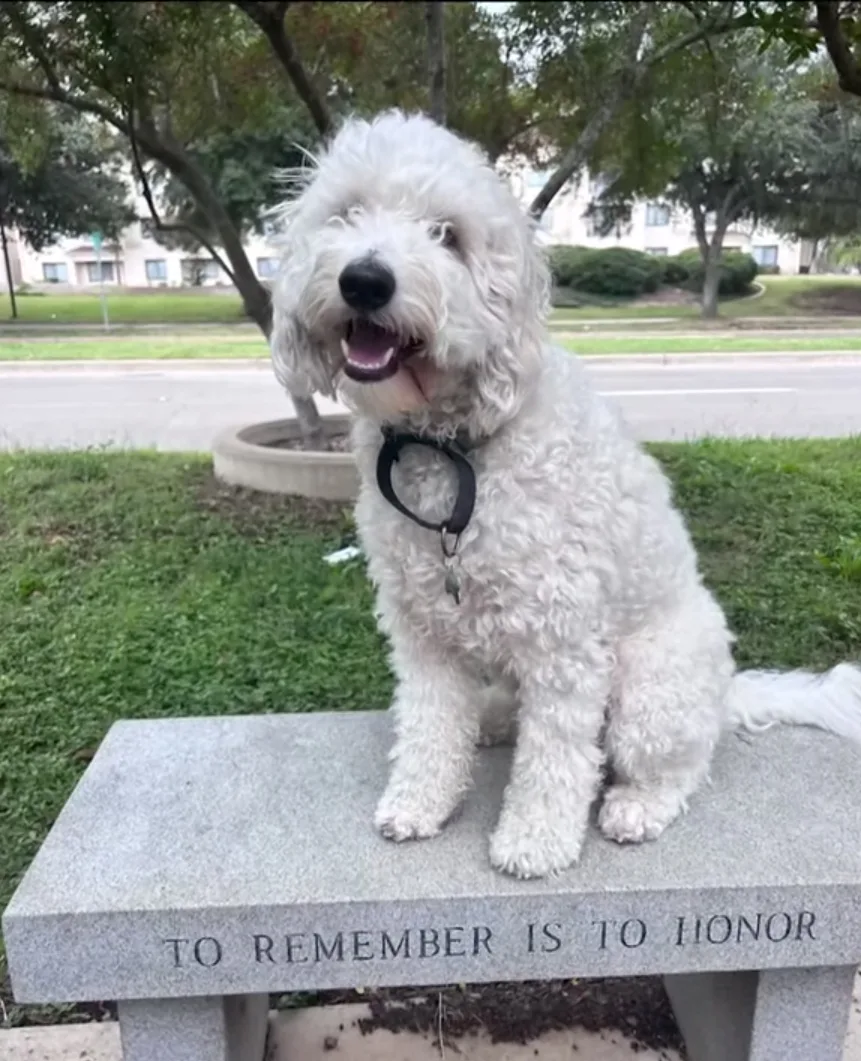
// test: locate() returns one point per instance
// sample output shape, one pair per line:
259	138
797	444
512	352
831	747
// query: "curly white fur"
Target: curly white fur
581	600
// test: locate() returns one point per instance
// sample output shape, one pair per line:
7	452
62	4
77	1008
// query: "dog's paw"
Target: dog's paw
533	848
398	818
632	815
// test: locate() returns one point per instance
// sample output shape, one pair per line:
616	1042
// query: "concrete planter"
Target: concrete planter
251	456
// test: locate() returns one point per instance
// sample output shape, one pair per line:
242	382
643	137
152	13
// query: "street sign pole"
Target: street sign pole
97	243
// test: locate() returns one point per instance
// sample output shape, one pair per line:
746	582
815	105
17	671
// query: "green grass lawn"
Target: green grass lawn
132	586
784	296
126	348
155	307
220	347
668	344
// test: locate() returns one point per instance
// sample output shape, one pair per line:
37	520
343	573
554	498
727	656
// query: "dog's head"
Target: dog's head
410	281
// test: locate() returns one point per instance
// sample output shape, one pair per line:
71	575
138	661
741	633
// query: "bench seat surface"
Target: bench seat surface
217	855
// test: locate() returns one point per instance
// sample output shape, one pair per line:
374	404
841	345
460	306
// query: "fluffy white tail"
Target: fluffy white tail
830	701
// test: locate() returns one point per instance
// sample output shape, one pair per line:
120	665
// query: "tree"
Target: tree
805	28
590	60
826	207
741	146
435	16
66	183
371	56
244	170
167	76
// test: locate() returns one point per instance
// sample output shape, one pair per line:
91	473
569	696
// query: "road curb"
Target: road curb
262	364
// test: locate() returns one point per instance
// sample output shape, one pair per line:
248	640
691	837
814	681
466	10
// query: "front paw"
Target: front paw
532	846
632	815
402	815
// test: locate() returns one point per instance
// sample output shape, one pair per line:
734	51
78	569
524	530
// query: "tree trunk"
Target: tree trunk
269	17
8	263
435	16
255	296
576	157
712	251
621	87
832	26
711	285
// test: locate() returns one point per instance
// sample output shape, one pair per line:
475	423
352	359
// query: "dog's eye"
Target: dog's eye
443	232
350	212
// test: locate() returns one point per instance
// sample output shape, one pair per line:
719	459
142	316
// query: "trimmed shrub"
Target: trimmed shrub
614	272
674	271
618	272
564	262
737	272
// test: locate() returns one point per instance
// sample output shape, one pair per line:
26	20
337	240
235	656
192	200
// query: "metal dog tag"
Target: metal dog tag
452	584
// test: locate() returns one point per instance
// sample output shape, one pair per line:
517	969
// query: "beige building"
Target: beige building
655	227
138	262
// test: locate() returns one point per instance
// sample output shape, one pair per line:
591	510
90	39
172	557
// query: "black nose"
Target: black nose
367	284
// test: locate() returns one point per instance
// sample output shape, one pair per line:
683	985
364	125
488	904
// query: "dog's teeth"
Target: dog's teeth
345	348
389	354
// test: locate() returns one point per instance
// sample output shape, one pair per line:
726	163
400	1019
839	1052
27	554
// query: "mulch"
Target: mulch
253	513
635	1008
333	443
844	301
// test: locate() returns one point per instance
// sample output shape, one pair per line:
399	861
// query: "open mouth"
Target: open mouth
373	353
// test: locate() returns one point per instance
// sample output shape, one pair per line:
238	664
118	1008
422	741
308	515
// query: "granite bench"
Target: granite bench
201	864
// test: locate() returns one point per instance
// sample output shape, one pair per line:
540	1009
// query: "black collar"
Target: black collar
393	443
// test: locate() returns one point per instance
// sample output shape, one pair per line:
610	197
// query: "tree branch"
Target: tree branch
435	18
59	95
845	62
576	155
192	230
623	87
724	217
33	42
721	22
269	17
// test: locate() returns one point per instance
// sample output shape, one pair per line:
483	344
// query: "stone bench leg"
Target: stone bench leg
232	1028
775	1015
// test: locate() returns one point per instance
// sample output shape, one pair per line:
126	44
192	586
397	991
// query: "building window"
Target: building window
659	252
765	256
536	179
267	268
156	269
657	215
196	271
95	275
547	220
55	272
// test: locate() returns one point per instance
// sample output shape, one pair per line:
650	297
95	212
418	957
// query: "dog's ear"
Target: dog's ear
515	285
533	302
300	364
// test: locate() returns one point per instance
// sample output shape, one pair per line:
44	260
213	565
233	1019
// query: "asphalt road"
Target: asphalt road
182	408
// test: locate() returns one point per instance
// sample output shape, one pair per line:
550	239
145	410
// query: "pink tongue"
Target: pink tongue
369	343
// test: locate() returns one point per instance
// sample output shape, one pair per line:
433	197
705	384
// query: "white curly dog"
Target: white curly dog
571	614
